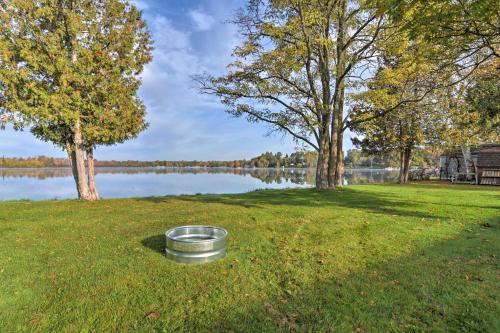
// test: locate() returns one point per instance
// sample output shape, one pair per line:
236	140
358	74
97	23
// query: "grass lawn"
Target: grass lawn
368	258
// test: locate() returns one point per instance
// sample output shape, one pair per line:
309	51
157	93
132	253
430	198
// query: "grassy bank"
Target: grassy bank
373	258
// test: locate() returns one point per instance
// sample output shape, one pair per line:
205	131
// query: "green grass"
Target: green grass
372	258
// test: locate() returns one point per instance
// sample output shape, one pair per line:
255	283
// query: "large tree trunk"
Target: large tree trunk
339	167
332	158
77	159
401	177
91	174
407	165
336	165
336	158
72	158
79	164
322	165
404	165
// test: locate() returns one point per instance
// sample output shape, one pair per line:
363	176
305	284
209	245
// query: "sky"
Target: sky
190	37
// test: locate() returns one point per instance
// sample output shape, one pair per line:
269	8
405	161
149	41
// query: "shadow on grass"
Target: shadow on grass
450	286
465	205
375	202
155	243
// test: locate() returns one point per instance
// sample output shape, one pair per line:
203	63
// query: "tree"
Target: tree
403	84
293	68
353	158
70	70
483	100
460	38
403	131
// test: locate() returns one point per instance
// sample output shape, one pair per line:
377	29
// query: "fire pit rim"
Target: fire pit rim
171	230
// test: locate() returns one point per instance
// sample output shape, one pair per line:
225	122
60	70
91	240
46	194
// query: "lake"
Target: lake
58	183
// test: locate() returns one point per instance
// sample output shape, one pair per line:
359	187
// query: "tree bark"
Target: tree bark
339	167
79	162
77	158
336	165
401	177
72	158
332	158
407	165
91	174
322	165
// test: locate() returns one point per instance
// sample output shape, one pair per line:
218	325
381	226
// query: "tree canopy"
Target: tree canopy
466	32
70	70
294	65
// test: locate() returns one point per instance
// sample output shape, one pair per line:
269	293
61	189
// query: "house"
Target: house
485	163
488	165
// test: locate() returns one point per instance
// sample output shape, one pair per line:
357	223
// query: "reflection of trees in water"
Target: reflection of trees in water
369	176
279	176
39	173
267	176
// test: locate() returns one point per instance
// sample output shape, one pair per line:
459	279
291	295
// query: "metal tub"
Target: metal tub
196	244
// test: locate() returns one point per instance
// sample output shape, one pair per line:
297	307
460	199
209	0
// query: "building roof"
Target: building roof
489	156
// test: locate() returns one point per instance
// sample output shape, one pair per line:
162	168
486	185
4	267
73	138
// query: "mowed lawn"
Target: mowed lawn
368	258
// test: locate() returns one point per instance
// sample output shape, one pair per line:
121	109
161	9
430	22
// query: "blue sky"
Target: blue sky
191	37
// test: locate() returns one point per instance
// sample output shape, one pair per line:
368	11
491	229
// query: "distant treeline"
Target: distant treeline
33	162
354	158
266	160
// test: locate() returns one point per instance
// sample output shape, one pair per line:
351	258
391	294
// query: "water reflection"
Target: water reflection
57	183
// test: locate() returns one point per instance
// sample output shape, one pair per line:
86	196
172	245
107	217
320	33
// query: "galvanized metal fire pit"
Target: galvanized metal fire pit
196	244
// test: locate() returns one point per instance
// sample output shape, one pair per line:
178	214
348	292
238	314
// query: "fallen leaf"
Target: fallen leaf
394	282
270	308
289	321
154	315
471	277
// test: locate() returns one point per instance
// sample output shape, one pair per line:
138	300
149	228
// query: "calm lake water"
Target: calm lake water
58	183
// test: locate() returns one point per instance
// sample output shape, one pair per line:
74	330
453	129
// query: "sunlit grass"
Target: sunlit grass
373	258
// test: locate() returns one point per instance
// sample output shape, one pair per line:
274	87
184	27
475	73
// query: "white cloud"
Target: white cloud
202	21
166	36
